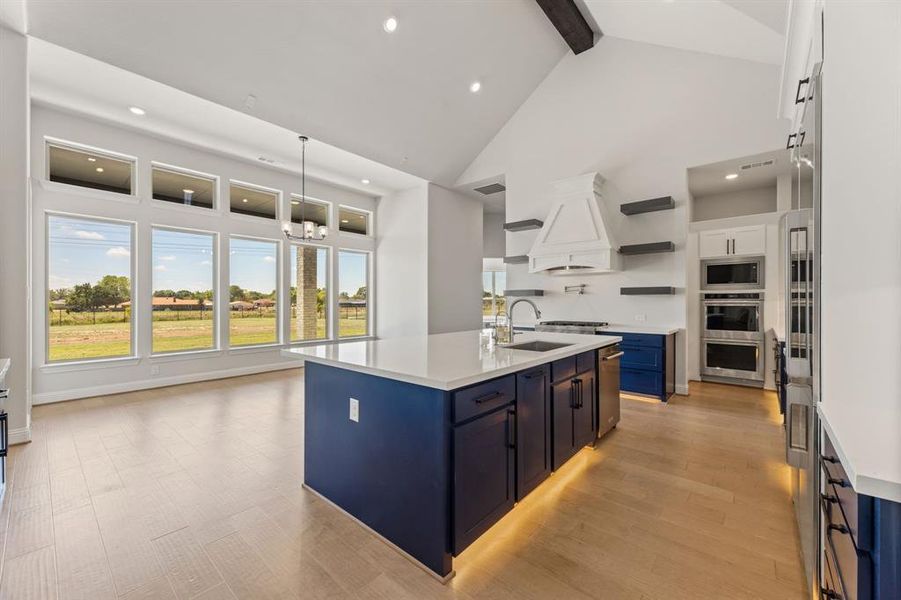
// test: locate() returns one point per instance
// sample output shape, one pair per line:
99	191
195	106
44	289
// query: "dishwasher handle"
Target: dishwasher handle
612	356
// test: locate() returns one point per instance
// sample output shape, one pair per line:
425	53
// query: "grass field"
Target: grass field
106	339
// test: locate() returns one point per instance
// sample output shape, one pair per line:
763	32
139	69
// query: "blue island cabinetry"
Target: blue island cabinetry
648	365
431	470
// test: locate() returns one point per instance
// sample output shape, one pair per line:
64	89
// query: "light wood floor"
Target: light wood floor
194	492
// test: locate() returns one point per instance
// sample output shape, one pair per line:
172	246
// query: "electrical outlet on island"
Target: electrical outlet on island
354	410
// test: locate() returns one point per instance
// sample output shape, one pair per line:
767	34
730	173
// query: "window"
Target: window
494	282
253	292
256	202
353	284
177	187
309	300
183	315
89	288
88	169
310	210
352	220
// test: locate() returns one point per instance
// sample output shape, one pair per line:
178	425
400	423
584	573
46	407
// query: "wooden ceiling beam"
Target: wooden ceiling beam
566	17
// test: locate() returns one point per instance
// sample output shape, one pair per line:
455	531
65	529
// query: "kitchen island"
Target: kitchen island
430	440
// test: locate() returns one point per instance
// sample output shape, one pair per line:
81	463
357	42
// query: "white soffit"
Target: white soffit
736	29
329	69
74	82
706	180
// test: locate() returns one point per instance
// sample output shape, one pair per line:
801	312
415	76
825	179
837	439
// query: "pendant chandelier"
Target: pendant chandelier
310	231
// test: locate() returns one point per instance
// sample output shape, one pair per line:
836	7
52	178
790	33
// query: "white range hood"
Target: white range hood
576	237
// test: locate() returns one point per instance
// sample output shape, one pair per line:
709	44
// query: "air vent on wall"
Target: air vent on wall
491	188
763	163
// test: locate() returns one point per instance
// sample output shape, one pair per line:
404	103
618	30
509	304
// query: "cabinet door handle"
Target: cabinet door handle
534	374
790	144
727	245
798	97
511	429
577	385
487	397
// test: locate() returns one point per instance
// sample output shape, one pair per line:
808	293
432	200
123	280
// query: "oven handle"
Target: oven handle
733	302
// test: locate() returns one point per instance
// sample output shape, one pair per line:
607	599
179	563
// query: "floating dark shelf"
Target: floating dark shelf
523	292
516	260
645	206
523	225
652	248
647	291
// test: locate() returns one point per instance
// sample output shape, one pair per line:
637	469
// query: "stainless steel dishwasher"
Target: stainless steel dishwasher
608	388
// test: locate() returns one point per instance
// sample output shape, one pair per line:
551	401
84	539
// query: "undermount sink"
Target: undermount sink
538	346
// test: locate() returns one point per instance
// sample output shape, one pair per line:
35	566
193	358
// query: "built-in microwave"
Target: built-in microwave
732	273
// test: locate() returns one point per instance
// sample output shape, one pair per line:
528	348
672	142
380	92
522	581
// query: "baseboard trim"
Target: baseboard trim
22	435
156	382
681	389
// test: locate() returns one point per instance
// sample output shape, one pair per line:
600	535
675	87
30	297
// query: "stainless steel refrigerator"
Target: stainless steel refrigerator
801	267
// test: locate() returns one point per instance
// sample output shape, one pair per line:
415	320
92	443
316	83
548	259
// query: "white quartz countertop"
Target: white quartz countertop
444	361
869	447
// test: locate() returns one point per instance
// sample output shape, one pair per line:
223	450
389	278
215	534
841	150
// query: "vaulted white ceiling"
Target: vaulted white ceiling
329	70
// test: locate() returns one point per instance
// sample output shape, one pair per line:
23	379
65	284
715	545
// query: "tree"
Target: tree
361	293
60	294
184	294
164	293
112	290
235	293
81	299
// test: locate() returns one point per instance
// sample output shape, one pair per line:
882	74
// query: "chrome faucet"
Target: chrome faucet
510	313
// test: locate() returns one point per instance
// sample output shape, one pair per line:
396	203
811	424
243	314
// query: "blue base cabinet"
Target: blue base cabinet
573	392
648	365
861	538
533	429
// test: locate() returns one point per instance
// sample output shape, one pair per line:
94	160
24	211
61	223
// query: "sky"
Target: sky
83	251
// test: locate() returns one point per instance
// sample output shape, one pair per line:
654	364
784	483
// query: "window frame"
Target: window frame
217	342
55	142
370	314
370	222
279	200
183	171
326	203
330	319
135	302
279	336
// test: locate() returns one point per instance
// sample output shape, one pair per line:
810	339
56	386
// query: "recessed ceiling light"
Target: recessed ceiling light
137	110
475	86
188	191
345	221
243	199
295	202
732	176
92	159
390	25
364	181
99	169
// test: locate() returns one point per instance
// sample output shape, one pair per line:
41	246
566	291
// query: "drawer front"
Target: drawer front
641	382
585	361
484	397
563	368
856	510
640	357
640	339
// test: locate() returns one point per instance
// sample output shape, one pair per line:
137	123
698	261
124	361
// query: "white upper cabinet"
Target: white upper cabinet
740	241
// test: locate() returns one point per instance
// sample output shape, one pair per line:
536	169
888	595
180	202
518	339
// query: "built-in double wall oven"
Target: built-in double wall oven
732	336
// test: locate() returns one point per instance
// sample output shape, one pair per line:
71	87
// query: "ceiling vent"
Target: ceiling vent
755	165
491	188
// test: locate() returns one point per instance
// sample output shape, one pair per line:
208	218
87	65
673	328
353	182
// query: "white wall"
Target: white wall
640	115
734	204
402	253
861	221
493	235
455	261
61	382
14	230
